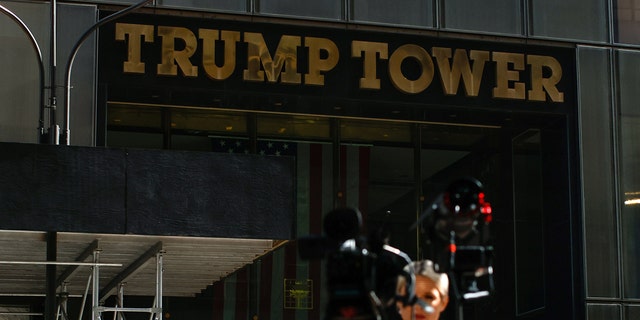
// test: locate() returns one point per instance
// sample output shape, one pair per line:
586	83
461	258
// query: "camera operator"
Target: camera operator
431	292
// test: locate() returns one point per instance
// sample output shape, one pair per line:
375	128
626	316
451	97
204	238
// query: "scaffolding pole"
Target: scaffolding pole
155	312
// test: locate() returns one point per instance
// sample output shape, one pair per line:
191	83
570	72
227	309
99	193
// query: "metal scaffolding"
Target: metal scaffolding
100	294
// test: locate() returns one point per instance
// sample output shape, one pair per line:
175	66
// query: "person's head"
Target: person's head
431	287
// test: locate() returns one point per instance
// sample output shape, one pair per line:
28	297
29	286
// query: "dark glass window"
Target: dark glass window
404	12
604	311
328	9
225	5
496	16
528	222
197	129
139	127
294	127
629	81
600	225
627	21
377	175
570	19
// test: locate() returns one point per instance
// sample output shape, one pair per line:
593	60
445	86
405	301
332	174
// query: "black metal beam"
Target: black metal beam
130	270
67	273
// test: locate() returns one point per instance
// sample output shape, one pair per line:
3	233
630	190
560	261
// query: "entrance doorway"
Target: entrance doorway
392	169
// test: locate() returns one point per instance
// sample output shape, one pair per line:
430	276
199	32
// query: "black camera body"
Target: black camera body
350	283
456	231
362	272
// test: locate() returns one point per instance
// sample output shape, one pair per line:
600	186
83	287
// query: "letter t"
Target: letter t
134	31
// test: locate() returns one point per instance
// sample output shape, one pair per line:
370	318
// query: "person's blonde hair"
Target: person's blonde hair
425	268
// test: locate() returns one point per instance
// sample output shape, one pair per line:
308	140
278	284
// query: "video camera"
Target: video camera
362	272
456	229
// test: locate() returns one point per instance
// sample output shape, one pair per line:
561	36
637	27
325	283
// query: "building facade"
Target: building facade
380	104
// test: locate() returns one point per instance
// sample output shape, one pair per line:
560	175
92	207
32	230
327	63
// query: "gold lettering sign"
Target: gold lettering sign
178	45
316	64
505	76
450	74
170	54
229	38
369	78
132	33
540	85
285	57
399	80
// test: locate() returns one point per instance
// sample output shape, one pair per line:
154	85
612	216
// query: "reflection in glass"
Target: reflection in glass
600	227
627	21
123	139
377	173
202	121
190	142
371	131
131	116
226	5
629	81
390	192
134	127
447	151
528	219
632	312
603	311
329	9
206	5
570	19
298	127
483	16
395	12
